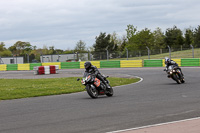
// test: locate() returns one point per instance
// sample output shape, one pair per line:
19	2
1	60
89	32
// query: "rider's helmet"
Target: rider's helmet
167	60
87	65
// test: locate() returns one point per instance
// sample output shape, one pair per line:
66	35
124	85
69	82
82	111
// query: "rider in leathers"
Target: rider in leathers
93	69
169	62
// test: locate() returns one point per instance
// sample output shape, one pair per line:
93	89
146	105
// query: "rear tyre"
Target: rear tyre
92	92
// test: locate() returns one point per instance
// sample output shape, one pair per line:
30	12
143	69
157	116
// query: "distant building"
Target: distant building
12	60
64	57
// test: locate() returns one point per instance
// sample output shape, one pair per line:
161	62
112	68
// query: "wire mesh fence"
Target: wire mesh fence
107	55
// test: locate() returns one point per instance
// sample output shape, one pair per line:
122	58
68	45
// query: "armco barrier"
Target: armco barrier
131	63
190	62
12	67
70	65
3	67
32	65
94	63
102	64
153	63
23	67
109	64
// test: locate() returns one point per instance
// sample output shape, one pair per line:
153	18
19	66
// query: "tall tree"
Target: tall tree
80	46
131	31
103	42
189	38
159	39
141	40
174	37
22	47
197	36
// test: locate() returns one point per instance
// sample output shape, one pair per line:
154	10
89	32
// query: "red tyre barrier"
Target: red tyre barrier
41	70
52	69
46	69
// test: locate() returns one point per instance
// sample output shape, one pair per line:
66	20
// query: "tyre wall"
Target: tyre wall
102	64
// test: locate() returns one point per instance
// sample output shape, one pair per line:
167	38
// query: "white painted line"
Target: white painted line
153	125
141	79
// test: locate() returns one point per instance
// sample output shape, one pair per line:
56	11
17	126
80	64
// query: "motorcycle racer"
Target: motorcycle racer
169	62
93	69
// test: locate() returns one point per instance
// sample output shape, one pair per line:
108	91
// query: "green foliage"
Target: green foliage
159	37
197	36
80	46
174	37
189	38
140	40
103	42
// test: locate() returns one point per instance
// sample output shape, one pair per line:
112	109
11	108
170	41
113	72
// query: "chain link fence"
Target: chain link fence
107	55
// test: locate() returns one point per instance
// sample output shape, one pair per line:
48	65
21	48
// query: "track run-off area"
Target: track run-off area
154	100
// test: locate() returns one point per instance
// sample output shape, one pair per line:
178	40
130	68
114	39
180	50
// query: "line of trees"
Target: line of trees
134	40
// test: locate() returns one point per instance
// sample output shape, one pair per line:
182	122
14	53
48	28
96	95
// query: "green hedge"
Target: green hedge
153	63
70	65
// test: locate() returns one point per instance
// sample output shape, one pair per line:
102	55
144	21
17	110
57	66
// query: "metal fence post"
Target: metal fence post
169	51
126	53
107	54
192	50
148	52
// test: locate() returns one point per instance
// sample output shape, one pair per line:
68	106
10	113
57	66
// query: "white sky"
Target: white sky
62	23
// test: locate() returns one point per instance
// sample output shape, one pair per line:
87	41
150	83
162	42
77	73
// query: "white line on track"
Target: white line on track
153	125
141	79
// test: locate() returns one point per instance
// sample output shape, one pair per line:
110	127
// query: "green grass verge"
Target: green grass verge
24	88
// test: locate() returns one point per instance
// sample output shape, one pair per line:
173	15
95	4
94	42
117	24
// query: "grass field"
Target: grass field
24	88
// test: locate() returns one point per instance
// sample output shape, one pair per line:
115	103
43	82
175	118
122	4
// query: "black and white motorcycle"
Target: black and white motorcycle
175	73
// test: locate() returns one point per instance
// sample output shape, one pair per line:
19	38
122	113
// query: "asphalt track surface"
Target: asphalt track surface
155	100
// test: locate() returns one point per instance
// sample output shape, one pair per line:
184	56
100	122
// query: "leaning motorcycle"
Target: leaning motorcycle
175	73
94	86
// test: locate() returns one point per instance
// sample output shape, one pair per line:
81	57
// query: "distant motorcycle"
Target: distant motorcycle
94	86
175	73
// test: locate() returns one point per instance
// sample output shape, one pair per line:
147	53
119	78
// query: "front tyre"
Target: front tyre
92	91
182	80
109	92
176	77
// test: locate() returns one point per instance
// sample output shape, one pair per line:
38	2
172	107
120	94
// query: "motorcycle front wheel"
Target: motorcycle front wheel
92	91
177	78
109	92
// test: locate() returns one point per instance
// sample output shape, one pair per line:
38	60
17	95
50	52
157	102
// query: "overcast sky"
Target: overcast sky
62	23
